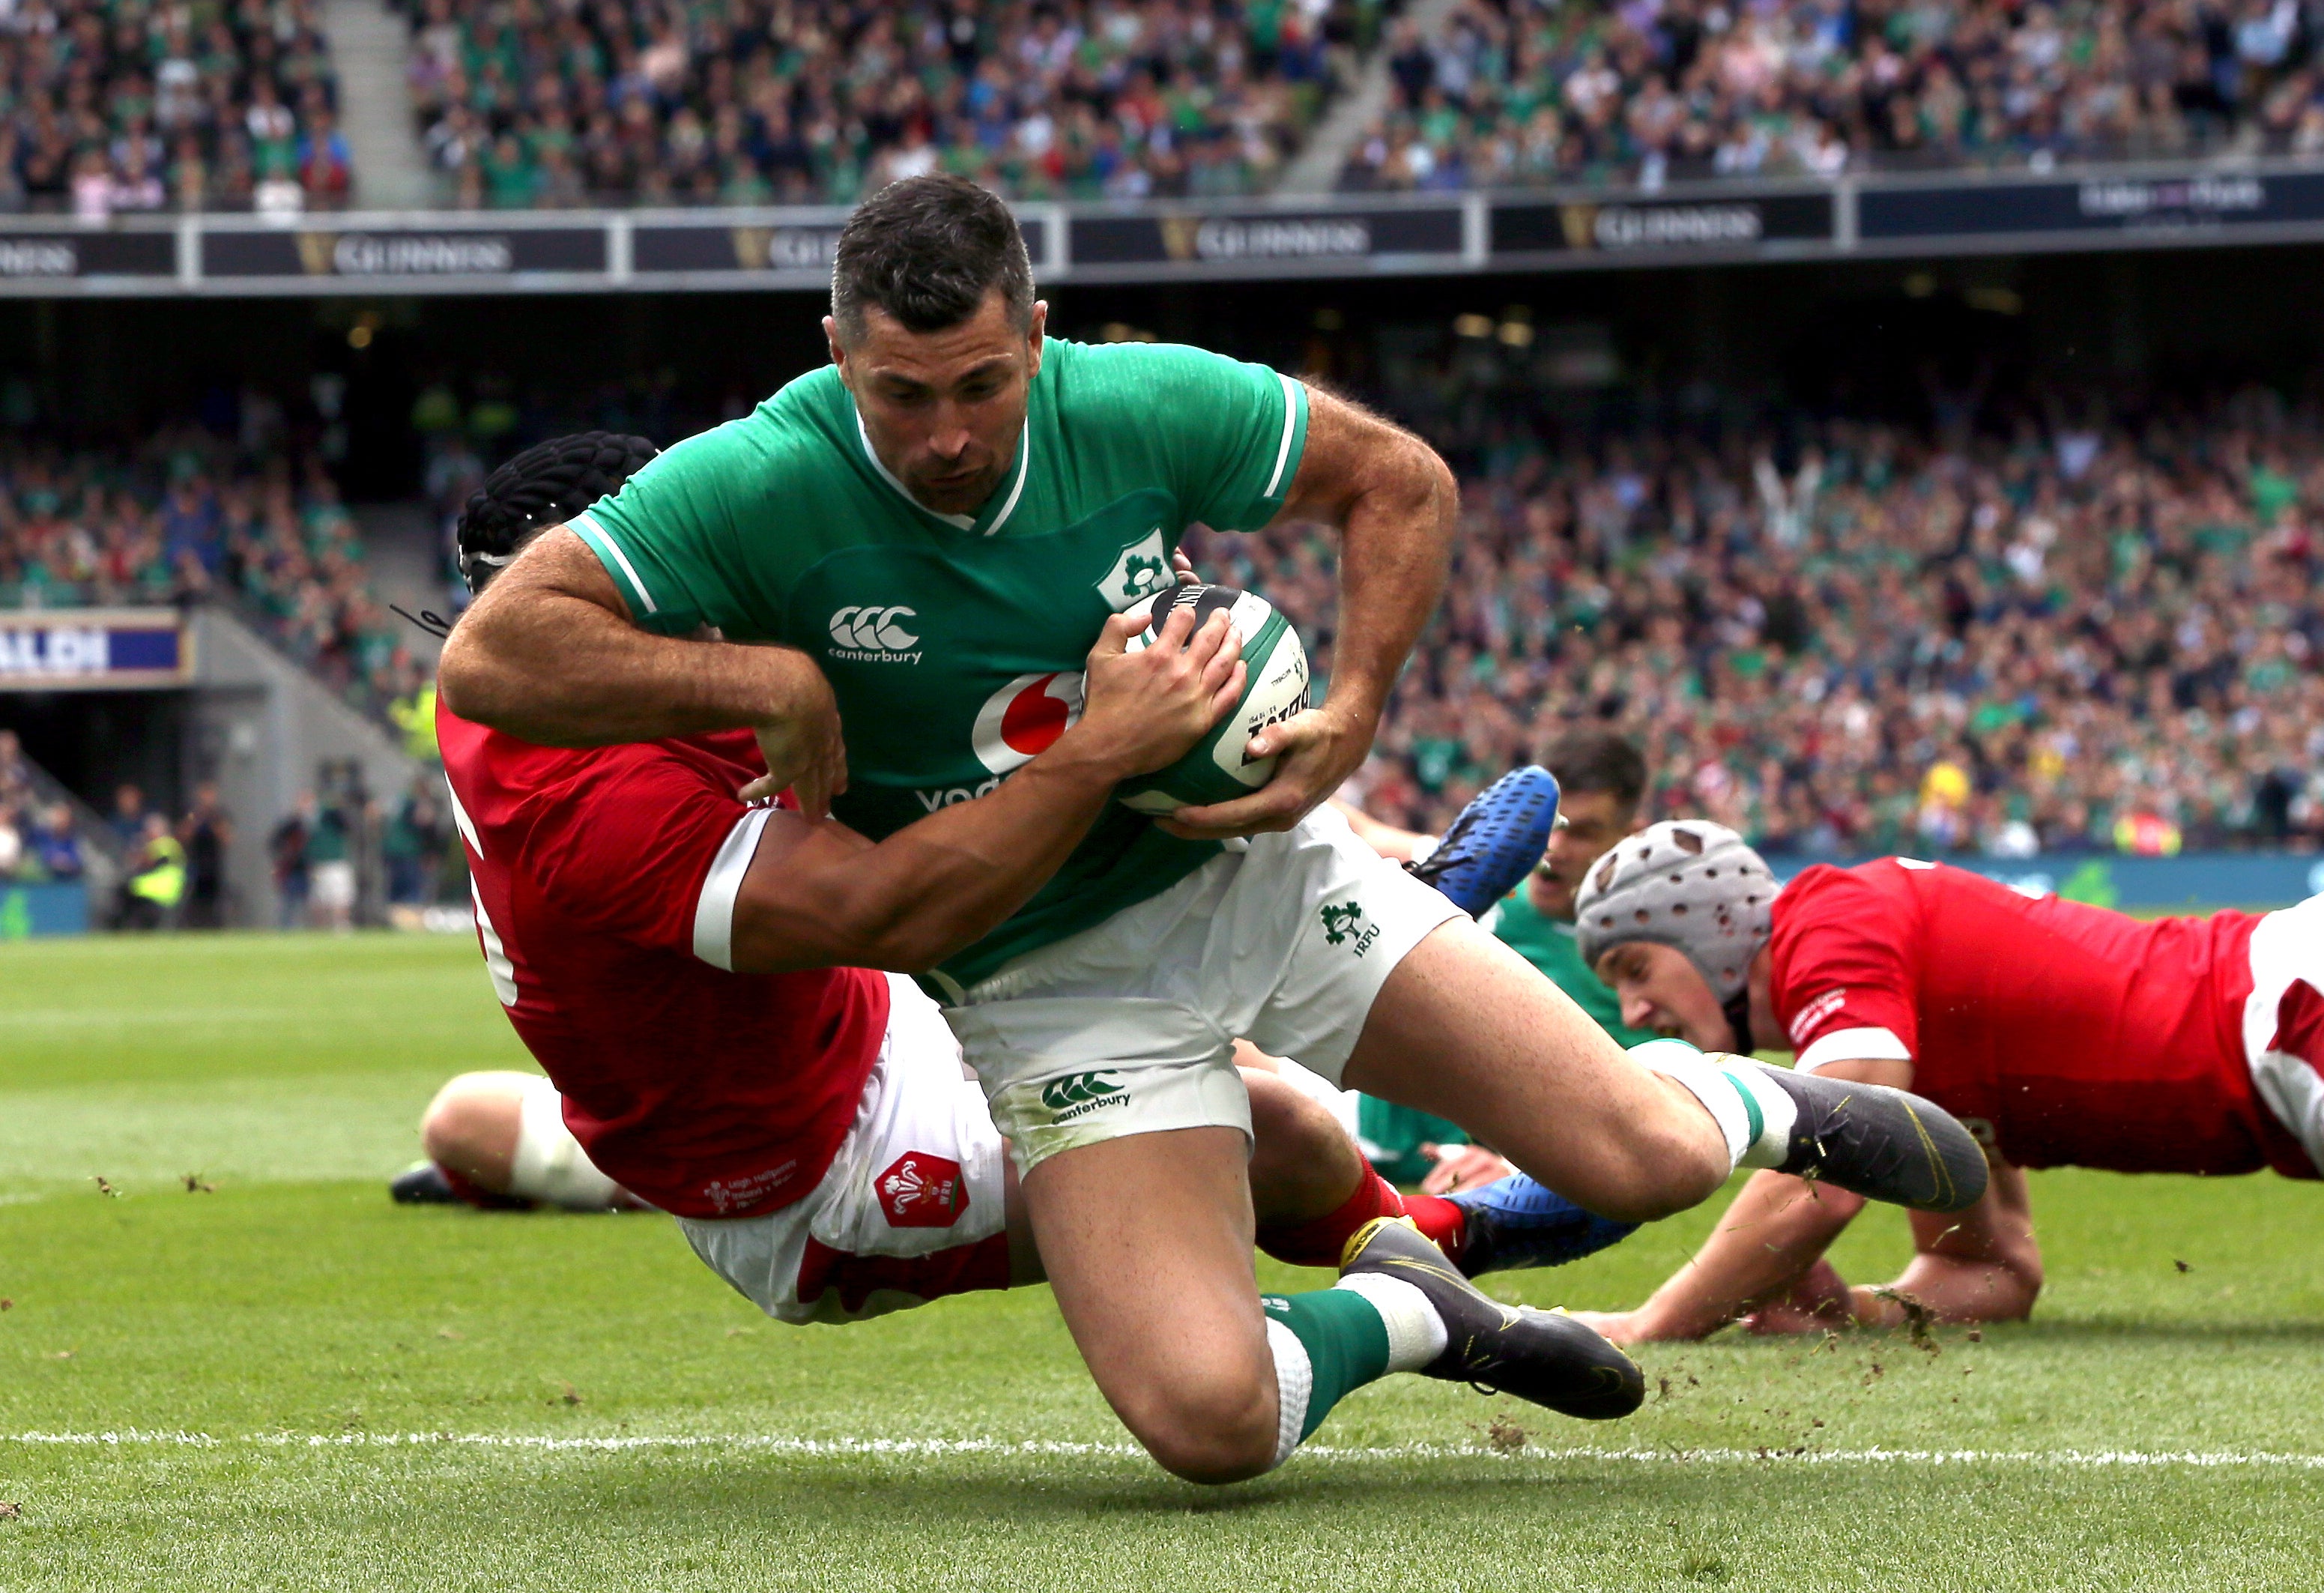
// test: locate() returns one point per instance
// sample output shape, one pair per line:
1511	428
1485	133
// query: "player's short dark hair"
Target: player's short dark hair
928	250
1593	758
546	484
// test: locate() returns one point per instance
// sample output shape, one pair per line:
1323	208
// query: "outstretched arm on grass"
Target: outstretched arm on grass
1765	1263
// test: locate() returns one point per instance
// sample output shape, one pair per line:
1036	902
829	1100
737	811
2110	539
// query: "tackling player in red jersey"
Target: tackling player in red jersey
2062	1034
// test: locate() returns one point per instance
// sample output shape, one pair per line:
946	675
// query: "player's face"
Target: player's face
1662	990
943	409
1594	821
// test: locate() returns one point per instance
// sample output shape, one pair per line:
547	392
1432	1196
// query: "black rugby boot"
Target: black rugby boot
1542	1356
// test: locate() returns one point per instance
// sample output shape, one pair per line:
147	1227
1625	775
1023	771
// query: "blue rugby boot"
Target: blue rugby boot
1494	842
1516	1222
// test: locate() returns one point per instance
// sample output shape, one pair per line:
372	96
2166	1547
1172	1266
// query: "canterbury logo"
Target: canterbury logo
1078	1089
1077	1095
873	629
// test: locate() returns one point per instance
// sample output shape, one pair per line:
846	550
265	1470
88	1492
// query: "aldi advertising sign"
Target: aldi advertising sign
94	649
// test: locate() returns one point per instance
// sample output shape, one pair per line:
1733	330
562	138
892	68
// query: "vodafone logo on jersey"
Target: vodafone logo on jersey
874	633
919	1190
1025	718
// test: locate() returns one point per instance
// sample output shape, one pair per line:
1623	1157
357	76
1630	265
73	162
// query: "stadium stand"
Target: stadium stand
188	517
1525	91
2074	638
800	101
111	108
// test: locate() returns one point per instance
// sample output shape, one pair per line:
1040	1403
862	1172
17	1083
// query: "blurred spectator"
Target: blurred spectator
12	842
15	776
128	819
286	850
106	108
414	844
331	867
206	832
818	101
154	882
415	716
326	164
55	848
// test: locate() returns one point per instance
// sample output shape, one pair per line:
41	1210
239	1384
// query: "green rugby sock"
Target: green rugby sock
1327	1343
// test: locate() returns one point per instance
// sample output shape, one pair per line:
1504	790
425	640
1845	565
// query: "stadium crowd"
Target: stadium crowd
816	101
227	103
1527	91
2080	637
1845	637
190	515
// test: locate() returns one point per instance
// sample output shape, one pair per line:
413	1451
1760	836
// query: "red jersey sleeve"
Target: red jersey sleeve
1843	981
638	844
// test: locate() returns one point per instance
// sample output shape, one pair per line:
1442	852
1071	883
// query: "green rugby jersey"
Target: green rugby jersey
954	643
1549	945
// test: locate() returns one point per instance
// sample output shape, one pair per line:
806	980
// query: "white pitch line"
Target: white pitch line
2059	1460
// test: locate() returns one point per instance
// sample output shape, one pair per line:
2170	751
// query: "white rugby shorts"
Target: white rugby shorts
2287	949
1130	1026
911	1208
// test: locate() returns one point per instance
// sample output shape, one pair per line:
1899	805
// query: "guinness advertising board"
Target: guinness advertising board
2189	202
64	254
1704	224
1272	242
756	246
407	256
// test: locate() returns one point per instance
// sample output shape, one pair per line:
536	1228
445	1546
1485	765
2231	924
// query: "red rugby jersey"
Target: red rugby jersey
605	884
2082	1037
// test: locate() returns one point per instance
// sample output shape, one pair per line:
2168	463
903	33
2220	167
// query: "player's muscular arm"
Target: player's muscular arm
547	654
1395	504
819	895
1766	1244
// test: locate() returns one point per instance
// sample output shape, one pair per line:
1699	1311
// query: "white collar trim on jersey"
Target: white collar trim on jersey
958	521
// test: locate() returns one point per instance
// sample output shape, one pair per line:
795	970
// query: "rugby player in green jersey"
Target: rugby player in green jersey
907	554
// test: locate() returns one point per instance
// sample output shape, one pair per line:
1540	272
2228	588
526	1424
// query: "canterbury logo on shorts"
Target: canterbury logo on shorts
1077	1095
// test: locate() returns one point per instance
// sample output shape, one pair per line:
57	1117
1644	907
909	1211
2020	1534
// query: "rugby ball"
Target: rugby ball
1274	687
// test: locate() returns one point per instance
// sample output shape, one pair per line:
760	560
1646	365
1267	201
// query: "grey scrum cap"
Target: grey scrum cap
1684	882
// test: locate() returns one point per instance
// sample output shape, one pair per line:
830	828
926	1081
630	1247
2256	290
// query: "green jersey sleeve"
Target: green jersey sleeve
674	537
1229	434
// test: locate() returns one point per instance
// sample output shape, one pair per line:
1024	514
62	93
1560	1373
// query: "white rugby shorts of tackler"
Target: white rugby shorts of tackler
1128	1028
912	1206
2284	1026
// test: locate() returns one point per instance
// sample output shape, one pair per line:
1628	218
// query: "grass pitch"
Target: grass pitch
281	1381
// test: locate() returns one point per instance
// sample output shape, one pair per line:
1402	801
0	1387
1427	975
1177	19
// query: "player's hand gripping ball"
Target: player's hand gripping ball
1276	664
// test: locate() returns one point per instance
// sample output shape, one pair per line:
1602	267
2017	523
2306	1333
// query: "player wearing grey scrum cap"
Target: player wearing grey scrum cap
2065	1034
1694	886
1696	892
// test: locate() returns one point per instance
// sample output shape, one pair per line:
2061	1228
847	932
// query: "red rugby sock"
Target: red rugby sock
1319	1241
1440	1219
